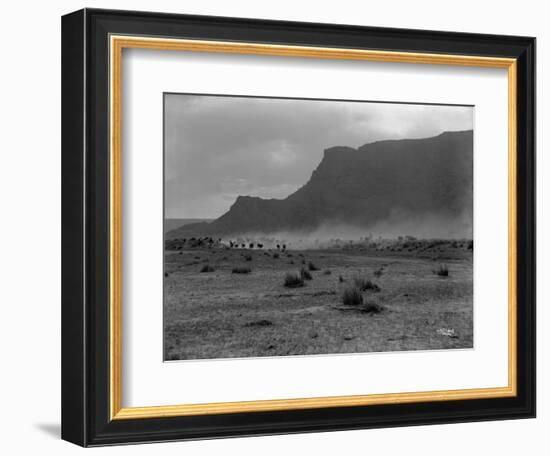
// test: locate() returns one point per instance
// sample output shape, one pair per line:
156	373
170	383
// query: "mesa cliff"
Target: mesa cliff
362	187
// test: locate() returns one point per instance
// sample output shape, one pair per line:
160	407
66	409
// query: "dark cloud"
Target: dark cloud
220	147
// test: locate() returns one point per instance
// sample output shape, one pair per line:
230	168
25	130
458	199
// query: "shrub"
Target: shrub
207	268
241	270
305	275
312	267
442	271
372	307
352	297
293	280
259	323
365	284
275	255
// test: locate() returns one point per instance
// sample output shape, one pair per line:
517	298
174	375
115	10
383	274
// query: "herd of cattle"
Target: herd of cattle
209	242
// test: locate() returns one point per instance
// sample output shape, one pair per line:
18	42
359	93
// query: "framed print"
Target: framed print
277	227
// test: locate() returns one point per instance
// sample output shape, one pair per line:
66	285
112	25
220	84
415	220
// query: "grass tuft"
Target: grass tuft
241	270
312	266
372	307
259	323
293	280
352	297
442	271
305	275
365	284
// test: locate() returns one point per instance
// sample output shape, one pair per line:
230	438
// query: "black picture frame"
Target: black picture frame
85	225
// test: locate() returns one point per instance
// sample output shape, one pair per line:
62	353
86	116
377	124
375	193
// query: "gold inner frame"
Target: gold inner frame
117	44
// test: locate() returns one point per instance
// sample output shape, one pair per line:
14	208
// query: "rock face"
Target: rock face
361	187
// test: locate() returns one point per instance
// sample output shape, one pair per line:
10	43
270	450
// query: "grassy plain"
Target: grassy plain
239	306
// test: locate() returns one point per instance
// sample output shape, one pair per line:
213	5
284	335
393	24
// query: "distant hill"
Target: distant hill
362	187
171	224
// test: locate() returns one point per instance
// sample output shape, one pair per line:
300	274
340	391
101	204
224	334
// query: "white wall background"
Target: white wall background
30	192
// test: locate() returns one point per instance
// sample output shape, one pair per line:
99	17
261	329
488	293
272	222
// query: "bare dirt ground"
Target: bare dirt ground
222	314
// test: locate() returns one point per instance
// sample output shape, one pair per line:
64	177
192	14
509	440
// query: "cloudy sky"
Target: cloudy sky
217	148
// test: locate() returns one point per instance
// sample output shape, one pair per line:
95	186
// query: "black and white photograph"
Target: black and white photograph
309	227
